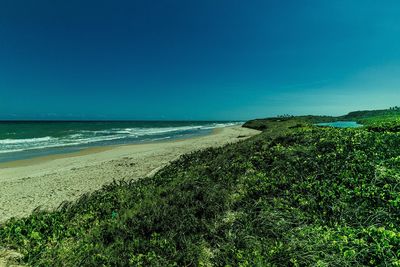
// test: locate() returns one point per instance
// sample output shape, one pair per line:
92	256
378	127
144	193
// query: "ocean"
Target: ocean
341	124
23	140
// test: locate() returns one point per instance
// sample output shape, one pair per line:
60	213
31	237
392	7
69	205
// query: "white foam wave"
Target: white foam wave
25	141
88	137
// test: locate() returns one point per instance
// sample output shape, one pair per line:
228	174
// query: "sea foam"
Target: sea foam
106	136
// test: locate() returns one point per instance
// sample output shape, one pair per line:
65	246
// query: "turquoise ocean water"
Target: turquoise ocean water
341	124
22	140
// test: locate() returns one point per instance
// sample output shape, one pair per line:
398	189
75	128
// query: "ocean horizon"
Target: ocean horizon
28	139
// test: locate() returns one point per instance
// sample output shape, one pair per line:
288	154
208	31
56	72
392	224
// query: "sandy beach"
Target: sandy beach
48	181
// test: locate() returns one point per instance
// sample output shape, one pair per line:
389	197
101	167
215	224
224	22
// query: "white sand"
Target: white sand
48	181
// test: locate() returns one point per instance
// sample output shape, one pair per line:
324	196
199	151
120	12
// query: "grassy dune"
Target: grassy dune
295	195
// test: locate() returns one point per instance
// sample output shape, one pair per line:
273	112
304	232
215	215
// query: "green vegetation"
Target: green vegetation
366	114
377	120
288	121
295	195
375	117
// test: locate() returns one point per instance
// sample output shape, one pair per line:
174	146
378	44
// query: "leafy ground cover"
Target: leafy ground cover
295	195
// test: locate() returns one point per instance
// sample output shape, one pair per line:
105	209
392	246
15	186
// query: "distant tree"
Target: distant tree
285	116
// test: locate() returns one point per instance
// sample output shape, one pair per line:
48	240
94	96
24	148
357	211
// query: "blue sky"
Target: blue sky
196	60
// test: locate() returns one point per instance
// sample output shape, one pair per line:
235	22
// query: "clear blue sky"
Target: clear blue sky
206	59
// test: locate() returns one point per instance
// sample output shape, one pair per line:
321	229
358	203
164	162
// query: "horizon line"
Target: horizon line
111	120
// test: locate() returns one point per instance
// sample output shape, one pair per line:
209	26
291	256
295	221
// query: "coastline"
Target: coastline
47	139
49	180
90	150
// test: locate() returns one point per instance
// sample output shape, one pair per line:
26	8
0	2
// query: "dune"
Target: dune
48	181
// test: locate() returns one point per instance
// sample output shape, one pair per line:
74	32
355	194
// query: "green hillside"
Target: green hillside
295	195
369	117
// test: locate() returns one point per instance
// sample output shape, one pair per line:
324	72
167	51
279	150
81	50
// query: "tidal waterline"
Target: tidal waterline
23	140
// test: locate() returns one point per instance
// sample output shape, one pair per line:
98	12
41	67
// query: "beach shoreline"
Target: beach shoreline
48	181
90	150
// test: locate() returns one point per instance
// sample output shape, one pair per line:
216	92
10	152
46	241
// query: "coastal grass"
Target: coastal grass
295	195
